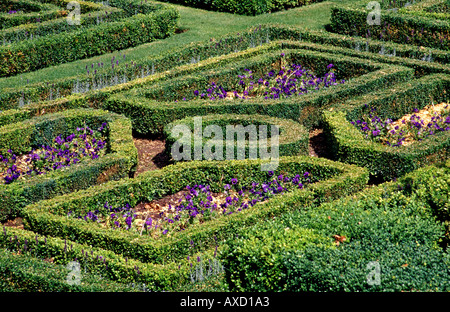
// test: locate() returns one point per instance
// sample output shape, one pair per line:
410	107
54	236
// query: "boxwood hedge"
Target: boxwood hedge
49	217
120	160
385	163
339	244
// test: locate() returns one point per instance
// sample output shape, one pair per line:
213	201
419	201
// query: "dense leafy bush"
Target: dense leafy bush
393	225
293	138
63	48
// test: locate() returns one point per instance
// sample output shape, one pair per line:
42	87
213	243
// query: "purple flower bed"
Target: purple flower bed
199	205
64	152
409	129
287	82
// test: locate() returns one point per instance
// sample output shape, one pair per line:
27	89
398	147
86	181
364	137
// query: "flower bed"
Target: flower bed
64	152
119	160
150	117
50	217
286	82
198	205
417	126
349	145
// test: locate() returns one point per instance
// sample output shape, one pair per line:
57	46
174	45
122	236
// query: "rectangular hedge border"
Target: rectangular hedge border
150	116
385	163
46	12
120	162
434	32
63	48
48	217
31	31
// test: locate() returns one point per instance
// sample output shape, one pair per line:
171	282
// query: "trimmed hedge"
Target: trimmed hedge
416	30
49	217
385	163
34	30
164	67
119	162
157	277
63	48
37	12
22	272
293	137
392	225
150	117
406	55
246	7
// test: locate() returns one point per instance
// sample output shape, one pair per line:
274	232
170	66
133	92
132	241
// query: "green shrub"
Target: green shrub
385	163
293	137
391	225
63	48
119	162
403	28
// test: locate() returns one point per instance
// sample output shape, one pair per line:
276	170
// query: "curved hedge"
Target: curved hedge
119	162
293	137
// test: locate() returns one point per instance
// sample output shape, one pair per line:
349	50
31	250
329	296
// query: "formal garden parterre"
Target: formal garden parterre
76	218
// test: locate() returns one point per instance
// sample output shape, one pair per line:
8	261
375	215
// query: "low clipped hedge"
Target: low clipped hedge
293	137
414	30
108	265
119	162
246	7
29	31
34	12
165	66
406	55
349	145
409	254
150	117
49	217
67	47
21	272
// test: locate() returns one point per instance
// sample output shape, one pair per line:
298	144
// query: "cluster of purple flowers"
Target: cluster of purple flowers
200	205
12	12
64	152
395	134
120	217
274	85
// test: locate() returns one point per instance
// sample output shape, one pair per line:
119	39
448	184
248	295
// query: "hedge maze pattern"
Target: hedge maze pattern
367	202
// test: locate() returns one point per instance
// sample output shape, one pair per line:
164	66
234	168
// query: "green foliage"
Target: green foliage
293	137
119	162
414	30
49	217
385	163
392	224
67	47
